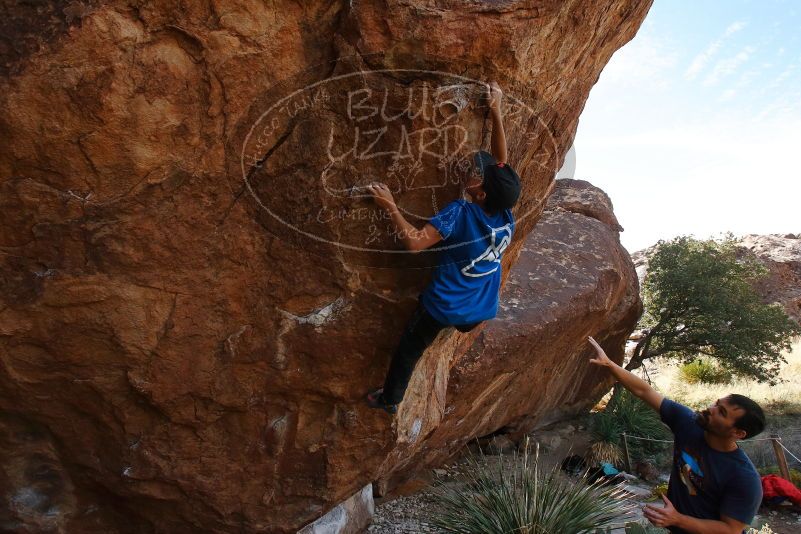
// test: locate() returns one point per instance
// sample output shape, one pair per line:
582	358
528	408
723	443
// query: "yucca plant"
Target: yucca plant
627	413
605	429
638	419
604	452
604	426
523	500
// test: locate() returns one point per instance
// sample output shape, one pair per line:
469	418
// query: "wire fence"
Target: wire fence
781	450
788	452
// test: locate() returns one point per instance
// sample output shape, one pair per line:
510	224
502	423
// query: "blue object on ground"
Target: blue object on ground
609	469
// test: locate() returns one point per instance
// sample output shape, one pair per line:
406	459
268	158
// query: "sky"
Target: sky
694	126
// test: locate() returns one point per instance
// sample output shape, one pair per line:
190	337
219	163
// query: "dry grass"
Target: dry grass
602	451
784	398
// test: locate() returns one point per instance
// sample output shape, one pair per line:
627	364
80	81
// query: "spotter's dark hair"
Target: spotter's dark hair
753	420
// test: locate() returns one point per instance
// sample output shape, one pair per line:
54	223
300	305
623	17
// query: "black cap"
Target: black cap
500	181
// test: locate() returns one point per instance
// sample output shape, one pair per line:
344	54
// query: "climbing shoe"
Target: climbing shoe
375	399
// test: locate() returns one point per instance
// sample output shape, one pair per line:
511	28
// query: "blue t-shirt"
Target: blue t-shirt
705	483
465	285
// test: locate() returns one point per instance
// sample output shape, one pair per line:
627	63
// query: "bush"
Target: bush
700	298
657	492
703	371
523	500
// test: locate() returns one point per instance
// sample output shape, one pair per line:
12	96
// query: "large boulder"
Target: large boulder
194	294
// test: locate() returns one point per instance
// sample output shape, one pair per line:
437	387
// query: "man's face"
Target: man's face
720	417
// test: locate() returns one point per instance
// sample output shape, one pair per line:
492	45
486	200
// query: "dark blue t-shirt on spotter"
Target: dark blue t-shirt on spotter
465	285
706	483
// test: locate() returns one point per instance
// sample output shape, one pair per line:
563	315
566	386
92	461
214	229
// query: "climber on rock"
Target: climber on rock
464	288
714	487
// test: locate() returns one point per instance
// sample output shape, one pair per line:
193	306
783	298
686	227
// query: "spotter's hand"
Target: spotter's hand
600	356
381	195
662	517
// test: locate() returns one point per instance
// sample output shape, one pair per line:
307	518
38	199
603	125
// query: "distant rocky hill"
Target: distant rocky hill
781	254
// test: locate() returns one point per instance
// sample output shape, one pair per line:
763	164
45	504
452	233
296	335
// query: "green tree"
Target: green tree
699	298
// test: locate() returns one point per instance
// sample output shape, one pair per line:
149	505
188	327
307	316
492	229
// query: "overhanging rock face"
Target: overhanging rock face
196	295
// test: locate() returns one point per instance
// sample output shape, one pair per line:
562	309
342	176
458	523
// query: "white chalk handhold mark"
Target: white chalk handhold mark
415	431
318	317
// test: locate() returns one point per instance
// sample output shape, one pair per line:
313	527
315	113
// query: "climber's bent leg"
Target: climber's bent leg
420	332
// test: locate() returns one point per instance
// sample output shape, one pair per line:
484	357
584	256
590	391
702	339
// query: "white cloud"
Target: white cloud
781	96
644	61
784	106
727	66
700	61
746	78
786	73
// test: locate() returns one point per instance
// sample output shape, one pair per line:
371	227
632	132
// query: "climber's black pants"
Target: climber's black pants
420	332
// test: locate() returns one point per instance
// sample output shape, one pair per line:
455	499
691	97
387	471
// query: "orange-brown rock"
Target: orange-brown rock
195	297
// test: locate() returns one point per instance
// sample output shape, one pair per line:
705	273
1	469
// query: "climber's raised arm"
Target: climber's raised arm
638	387
498	135
413	239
